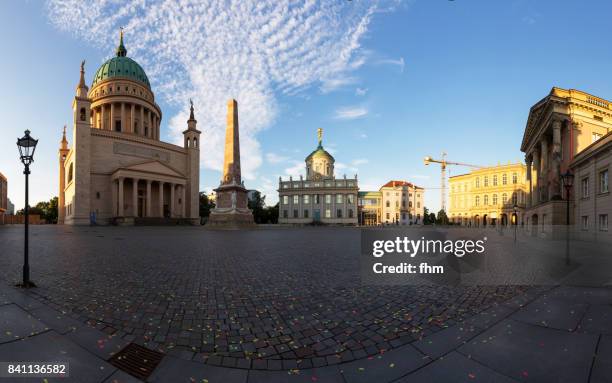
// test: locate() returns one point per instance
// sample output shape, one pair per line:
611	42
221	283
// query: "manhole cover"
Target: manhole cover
136	360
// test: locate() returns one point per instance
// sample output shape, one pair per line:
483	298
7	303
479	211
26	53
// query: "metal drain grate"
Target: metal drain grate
136	360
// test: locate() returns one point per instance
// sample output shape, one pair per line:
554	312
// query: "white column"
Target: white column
135	197
556	165
161	199
112	116
150	124
148	203
132	113
182	201
142	119
120	212
123	119
114	197
171	200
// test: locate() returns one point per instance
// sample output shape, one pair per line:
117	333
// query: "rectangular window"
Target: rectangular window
585	222
296	199
306	213
603	181
585	187
603	222
327	213
338	198
118	126
351	198
316	199
295	213
350	213
514	178
285	200
328	198
306	198
388	216
339	213
285	214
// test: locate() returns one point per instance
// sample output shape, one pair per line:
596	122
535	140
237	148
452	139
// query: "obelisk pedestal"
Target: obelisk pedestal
231	209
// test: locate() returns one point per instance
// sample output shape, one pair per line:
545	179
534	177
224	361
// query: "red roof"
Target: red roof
392	184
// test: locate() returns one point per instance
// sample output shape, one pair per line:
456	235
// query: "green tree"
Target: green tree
442	219
47	210
271	213
206	205
257	204
428	218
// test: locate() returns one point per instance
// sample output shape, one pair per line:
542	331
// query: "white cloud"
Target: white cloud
399	63
212	51
296	169
360	161
361	91
350	113
274	158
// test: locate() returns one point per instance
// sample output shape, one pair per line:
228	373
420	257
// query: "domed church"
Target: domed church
117	170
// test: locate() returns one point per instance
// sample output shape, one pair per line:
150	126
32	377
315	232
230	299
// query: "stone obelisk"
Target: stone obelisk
231	208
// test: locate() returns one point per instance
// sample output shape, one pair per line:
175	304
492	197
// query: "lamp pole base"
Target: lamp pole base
26	285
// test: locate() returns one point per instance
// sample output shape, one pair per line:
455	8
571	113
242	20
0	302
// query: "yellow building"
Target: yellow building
488	196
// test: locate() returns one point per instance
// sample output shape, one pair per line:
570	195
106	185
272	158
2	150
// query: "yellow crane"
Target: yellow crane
443	164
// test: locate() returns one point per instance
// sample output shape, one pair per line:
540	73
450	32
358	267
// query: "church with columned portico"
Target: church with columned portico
116	170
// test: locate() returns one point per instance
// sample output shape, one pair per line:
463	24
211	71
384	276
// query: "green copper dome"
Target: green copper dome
319	151
121	66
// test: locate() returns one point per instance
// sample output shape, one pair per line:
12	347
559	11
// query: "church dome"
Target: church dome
320	152
121	66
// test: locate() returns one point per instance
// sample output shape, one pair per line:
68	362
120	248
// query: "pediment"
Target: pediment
154	167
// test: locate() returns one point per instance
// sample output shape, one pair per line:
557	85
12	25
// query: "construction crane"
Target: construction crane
443	163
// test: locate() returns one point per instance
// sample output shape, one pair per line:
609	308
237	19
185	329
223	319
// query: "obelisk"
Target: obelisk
231	208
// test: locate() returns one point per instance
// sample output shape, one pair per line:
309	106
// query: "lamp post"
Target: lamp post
27	146
567	179
515	219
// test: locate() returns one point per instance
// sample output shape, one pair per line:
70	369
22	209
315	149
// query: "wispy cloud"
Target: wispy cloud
274	158
361	91
212	51
350	112
296	169
399	63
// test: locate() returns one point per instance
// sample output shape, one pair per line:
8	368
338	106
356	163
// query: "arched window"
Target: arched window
388	203
195	142
495	180
504	179
82	114
477	201
70	172
486	200
477	182
504	198
514	178
486	181
494	199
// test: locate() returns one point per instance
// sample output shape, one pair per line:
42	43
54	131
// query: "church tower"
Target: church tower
192	145
61	203
79	163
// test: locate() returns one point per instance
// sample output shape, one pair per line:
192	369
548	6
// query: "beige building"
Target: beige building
593	201
117	169
320	197
4	207
559	128
396	203
488	196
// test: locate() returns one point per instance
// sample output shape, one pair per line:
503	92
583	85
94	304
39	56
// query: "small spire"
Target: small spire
64	142
191	116
121	51
82	79
64	134
320	136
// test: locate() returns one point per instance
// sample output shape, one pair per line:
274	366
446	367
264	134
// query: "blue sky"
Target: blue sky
389	81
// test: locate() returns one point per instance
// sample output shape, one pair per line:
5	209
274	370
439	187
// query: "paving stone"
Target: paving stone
522	351
173	369
15	323
590	295
97	342
444	341
50	346
455	368
384	367
122	377
55	320
552	312
319	375
597	320
602	368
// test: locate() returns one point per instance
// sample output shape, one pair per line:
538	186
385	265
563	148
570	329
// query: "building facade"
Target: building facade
369	206
591	191
4	204
395	203
320	197
117	169
488	196
559	127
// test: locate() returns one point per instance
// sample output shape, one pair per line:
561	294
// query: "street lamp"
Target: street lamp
515	219
27	146
567	180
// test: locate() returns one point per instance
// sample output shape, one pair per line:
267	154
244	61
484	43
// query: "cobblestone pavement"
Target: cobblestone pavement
274	299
